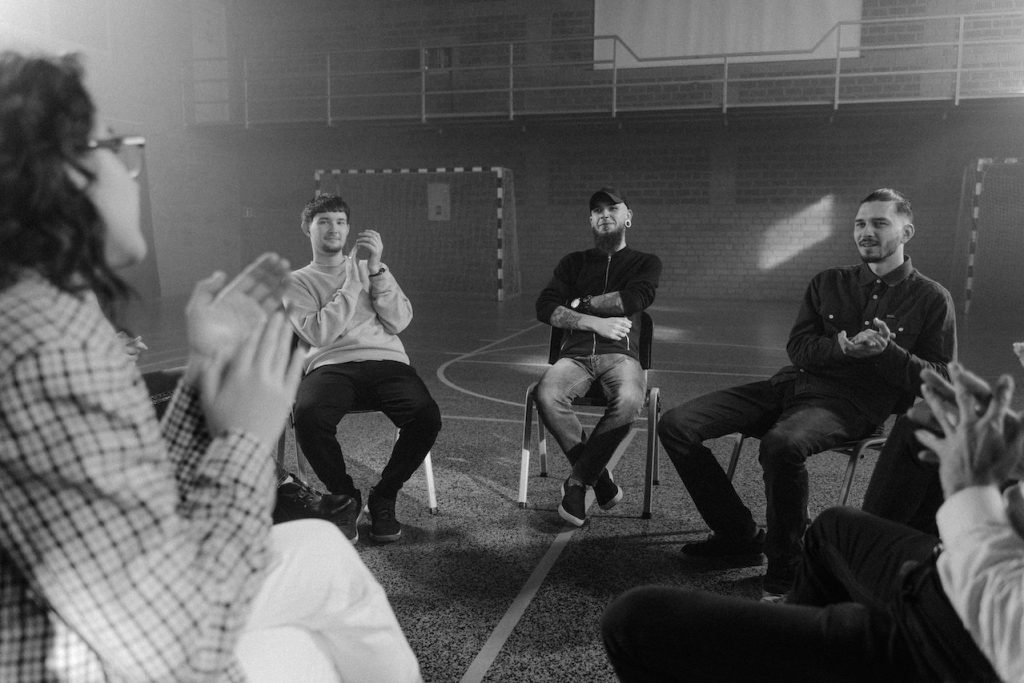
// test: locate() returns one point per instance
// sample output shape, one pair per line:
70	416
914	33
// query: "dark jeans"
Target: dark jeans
845	620
329	392
902	487
791	428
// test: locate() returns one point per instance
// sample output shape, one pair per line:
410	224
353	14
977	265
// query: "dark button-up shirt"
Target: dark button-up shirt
918	311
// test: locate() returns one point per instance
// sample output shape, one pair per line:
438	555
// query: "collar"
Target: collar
894	277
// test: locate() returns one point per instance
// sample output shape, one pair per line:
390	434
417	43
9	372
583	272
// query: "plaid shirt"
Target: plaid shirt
130	550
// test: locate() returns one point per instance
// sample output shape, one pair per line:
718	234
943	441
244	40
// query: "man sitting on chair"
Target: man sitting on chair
350	312
594	295
861	339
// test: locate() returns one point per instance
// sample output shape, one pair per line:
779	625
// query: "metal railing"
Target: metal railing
941	58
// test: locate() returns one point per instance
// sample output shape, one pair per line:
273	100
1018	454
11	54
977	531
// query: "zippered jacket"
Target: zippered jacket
634	274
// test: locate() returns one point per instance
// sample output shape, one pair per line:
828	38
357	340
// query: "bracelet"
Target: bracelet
383	269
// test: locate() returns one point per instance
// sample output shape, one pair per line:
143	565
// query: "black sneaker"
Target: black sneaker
778	581
573	507
383	525
606	491
347	518
296	500
727	552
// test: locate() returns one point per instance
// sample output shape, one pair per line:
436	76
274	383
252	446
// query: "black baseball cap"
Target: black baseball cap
608	195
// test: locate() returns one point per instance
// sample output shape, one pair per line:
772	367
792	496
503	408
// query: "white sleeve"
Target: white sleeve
982	572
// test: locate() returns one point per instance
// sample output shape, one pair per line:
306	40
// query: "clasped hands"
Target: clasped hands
972	433
867	342
240	355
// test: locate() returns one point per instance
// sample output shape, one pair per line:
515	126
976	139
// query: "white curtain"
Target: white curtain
658	29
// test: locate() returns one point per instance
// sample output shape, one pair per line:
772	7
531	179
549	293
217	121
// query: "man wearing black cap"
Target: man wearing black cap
595	295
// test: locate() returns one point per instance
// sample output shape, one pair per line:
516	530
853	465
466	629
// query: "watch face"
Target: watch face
575	303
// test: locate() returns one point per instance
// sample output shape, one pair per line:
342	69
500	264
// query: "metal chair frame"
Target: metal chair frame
854	450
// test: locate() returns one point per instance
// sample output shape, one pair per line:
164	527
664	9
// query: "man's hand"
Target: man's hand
975	448
612	328
220	318
866	343
370	241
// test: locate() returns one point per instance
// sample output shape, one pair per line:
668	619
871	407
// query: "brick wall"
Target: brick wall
740	206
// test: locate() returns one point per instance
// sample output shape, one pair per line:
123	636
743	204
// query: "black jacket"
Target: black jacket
632	273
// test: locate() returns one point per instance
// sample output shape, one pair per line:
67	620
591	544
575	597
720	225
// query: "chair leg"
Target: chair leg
428	473
524	464
737	447
653	398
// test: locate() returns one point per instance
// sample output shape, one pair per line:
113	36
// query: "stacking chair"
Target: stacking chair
305	469
595	397
853	450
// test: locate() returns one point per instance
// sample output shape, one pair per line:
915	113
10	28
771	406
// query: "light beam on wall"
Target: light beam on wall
789	236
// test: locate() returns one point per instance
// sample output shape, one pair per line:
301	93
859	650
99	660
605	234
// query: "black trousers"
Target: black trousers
903	488
328	393
791	428
854	614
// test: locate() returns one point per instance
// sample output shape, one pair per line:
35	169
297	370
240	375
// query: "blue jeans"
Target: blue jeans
622	380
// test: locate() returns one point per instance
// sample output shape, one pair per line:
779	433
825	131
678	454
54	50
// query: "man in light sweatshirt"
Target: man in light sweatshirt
349	312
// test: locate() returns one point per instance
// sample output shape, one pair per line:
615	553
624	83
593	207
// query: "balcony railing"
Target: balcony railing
944	58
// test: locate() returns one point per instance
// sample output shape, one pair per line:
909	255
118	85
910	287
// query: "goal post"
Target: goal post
444	229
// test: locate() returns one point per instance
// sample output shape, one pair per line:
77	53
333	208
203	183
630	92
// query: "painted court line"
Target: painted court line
489	652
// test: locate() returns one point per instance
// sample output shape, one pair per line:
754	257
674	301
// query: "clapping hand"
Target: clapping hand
253	390
371	242
866	343
220	318
980	441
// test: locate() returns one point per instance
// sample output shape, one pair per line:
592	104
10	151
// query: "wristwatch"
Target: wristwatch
581	305
383	269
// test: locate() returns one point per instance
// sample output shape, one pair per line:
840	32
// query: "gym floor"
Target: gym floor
487	591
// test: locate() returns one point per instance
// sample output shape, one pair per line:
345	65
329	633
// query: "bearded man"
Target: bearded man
596	296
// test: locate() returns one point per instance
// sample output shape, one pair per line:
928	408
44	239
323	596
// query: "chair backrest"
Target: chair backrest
646	341
161	384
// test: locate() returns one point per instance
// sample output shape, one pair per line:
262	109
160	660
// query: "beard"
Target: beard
885	252
609	241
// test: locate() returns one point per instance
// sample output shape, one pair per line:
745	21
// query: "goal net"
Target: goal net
444	230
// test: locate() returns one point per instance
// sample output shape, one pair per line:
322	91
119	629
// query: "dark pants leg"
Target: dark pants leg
328	393
807	425
889	568
750	409
850	555
903	488
663	633
841	621
404	398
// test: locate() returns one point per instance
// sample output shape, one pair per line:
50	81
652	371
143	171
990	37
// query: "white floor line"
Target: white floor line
444	366
489	652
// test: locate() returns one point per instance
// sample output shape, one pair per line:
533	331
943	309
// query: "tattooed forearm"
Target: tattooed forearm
566	318
607	304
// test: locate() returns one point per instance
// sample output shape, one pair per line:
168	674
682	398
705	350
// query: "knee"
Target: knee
428	416
628	615
629	399
825	528
549	394
781	448
676	431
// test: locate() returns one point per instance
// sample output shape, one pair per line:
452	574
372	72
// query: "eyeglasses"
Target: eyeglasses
128	149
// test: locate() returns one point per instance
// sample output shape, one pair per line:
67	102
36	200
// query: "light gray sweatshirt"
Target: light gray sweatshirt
345	317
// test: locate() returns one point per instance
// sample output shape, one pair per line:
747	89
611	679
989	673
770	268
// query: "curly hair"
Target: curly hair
47	223
323	203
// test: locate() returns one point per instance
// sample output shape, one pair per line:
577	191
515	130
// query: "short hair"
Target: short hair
323	203
47	223
887	194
